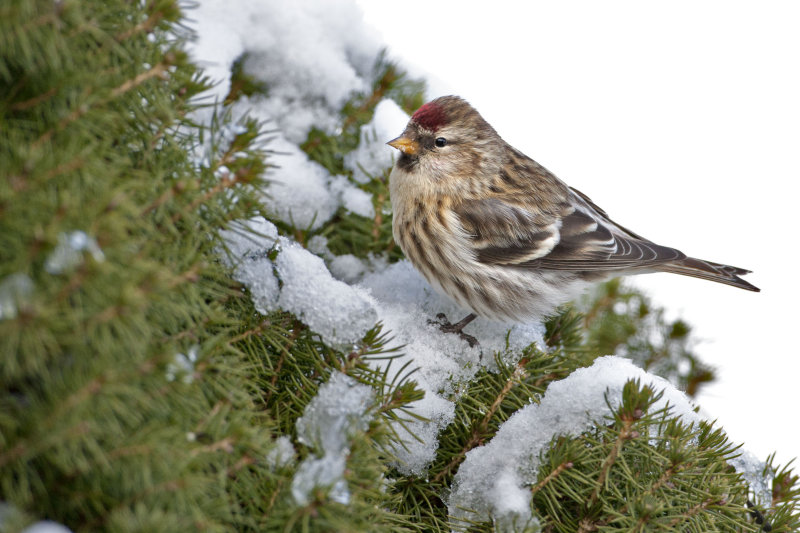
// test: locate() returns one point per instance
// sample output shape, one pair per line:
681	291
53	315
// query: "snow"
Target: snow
15	292
323	472
303	194
46	526
10	514
511	501
282	454
313	56
494	476
338	412
68	253
347	268
396	295
183	366
339	313
753	471
335	414
249	247
352	198
373	156
445	362
295	172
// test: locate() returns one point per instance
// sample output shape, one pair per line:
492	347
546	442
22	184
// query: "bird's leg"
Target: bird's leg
447	327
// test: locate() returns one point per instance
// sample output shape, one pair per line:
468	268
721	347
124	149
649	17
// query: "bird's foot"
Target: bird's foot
447	327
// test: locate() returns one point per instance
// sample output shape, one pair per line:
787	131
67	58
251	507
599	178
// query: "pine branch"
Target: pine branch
625	434
477	436
551	476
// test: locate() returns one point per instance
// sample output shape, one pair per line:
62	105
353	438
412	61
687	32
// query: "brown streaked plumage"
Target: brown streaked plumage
500	234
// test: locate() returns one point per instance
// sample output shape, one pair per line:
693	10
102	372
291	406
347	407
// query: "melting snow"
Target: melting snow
336	414
313	56
497	474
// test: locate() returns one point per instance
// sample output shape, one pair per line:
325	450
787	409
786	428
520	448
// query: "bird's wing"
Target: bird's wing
625	250
504	233
590	240
581	237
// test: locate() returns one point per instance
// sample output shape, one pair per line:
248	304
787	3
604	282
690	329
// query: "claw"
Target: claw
447	327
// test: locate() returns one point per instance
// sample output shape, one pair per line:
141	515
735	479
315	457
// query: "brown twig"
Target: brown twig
551	476
31	102
605	468
702	506
157	70
146	25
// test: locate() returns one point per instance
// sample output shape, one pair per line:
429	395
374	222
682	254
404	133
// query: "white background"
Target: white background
682	120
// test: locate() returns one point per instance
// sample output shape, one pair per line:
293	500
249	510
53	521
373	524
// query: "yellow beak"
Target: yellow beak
405	145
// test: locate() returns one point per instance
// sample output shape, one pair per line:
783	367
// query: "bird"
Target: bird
501	235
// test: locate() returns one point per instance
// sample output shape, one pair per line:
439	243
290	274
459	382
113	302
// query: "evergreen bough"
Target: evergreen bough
141	391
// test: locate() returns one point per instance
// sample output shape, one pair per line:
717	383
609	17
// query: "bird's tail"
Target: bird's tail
698	268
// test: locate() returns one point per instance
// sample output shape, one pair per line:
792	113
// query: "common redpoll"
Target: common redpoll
498	233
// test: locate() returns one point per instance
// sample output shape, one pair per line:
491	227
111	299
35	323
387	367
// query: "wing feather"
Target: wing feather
503	233
581	237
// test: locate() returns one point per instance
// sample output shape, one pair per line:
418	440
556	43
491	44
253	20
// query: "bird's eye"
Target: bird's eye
440	141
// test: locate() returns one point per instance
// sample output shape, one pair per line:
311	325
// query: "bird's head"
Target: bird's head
447	139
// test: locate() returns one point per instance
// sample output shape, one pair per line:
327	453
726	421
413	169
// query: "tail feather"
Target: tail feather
698	268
